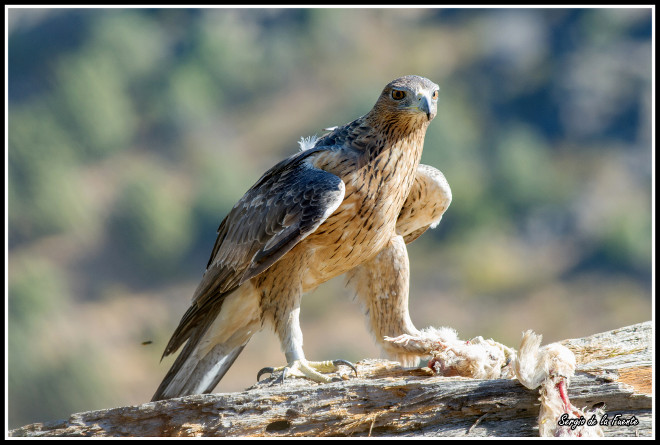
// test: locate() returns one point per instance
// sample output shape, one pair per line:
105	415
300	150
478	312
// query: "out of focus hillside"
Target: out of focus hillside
132	132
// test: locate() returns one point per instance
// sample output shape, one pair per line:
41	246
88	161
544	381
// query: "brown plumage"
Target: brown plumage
344	205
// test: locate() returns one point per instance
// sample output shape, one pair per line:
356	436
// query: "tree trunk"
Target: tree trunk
614	368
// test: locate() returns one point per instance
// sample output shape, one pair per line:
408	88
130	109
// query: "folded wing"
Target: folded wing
285	205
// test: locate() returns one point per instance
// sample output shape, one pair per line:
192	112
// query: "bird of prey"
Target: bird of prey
346	204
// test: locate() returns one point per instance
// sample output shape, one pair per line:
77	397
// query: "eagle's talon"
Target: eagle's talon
266	370
347	363
282	376
309	370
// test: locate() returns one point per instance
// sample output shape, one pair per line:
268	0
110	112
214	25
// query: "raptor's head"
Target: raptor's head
414	97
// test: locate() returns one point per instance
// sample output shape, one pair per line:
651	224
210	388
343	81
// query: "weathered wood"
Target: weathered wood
387	400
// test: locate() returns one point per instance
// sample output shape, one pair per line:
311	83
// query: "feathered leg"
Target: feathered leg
382	283
381	287
280	305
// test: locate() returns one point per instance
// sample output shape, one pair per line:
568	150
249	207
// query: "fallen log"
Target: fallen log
614	371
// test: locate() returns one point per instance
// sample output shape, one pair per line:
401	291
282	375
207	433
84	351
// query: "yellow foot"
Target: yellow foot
309	370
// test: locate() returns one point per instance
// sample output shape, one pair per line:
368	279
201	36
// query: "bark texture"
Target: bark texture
614	368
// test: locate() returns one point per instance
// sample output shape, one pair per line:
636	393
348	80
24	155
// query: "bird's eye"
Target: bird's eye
398	94
435	95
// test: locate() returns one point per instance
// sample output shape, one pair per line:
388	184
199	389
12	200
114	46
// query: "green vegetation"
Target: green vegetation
133	131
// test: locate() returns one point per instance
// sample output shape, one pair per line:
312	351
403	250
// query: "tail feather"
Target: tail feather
213	344
210	379
197	375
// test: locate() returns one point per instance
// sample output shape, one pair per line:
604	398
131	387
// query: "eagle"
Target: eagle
347	203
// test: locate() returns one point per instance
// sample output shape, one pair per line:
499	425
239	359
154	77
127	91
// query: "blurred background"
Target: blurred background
132	132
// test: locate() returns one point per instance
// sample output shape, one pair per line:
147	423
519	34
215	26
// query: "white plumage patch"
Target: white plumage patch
435	224
307	142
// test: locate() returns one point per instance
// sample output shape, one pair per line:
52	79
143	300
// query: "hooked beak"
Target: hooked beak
425	106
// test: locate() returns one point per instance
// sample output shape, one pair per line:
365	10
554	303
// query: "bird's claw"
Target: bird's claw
346	363
271	370
303	368
266	370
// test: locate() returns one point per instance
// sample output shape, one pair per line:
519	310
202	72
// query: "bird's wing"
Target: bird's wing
285	205
427	201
